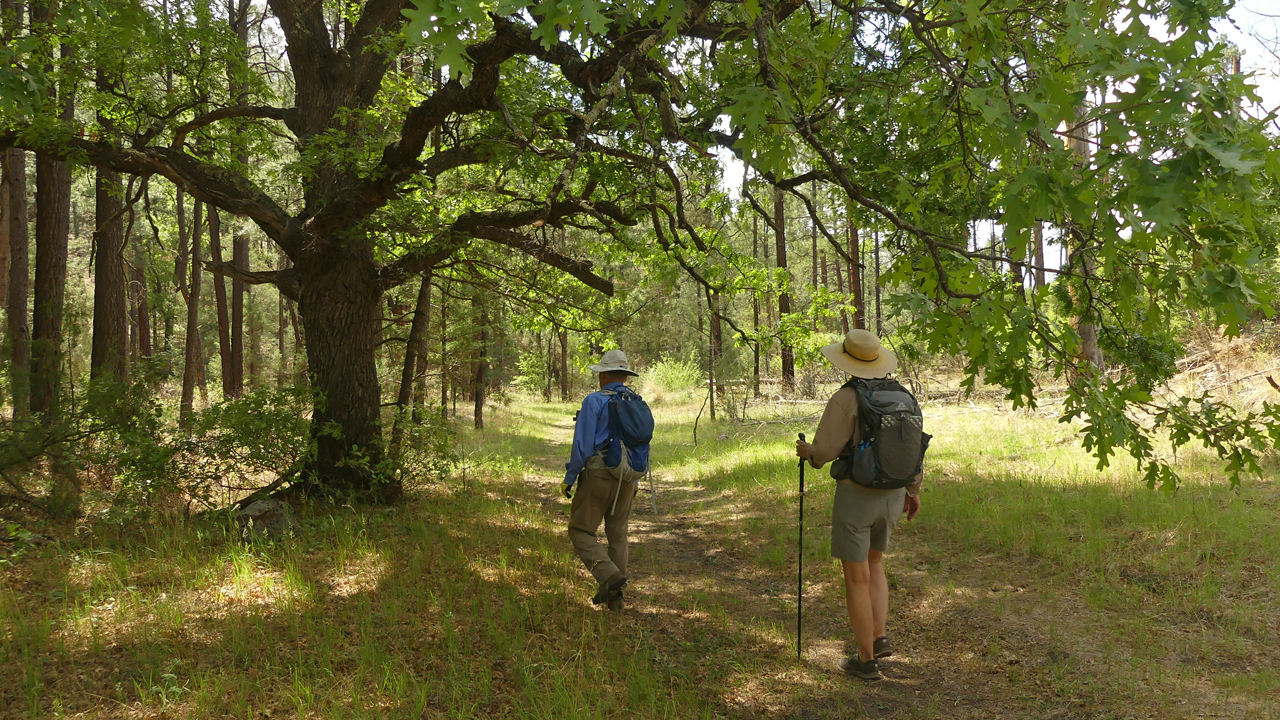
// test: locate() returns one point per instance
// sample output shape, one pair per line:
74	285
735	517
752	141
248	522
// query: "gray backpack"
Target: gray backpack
893	444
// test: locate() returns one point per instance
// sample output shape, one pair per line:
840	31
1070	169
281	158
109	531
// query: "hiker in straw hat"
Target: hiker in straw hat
862	517
599	495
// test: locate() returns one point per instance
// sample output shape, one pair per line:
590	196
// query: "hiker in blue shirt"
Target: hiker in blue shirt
600	494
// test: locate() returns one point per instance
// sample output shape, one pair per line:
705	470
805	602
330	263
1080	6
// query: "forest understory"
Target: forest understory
1031	585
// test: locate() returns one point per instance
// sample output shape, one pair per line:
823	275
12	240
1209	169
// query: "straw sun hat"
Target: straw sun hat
860	354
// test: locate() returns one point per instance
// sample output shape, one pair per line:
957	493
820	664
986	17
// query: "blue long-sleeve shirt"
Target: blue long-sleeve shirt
591	433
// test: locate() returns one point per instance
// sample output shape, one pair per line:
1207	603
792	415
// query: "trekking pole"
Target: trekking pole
800	572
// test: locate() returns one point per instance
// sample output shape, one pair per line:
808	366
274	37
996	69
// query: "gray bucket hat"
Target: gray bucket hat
613	361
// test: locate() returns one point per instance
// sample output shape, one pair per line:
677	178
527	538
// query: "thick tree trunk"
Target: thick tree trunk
10	25
339	296
192	362
109	356
784	298
17	327
5	211
1078	141
415	356
53	226
220	297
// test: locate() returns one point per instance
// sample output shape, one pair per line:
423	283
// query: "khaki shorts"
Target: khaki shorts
863	519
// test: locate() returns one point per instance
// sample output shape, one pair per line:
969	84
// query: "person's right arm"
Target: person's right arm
836	427
583	440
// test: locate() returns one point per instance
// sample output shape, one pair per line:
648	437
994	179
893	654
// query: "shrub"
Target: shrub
671	375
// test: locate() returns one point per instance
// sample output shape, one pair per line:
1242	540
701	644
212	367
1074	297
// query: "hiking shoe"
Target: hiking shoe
881	647
615	602
869	670
609	588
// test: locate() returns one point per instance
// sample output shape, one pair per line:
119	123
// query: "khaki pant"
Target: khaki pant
591	504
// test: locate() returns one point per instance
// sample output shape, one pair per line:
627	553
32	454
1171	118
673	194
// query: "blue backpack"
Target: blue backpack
630	432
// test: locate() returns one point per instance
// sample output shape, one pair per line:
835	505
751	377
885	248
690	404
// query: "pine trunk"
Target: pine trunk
855	277
220	297
717	343
879	315
53	226
18	328
5	211
564	365
415	356
239	256
755	312
784	298
109	355
192	362
482	363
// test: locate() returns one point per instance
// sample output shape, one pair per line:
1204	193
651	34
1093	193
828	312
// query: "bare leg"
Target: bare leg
879	592
857	598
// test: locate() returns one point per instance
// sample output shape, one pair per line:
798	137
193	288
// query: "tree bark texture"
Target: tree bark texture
755	312
784	298
482	361
5	211
415	356
717	343
444	353
1078	141
855	277
53	226
191	366
1037	242
109	357
339	295
139	289
220	297
564	365
239	291
879	314
18	328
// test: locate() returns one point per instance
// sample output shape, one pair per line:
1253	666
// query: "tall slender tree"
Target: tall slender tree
17	328
53	227
415	358
481	313
192	360
220	298
109	357
784	297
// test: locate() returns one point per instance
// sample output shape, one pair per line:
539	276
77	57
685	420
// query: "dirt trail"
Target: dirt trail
968	638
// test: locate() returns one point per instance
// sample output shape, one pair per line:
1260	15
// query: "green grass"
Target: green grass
1030	585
